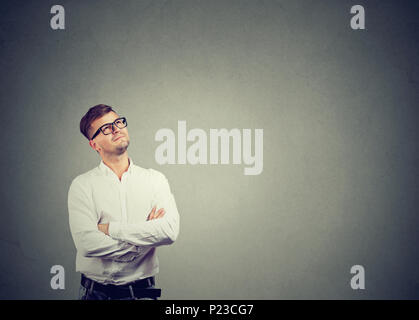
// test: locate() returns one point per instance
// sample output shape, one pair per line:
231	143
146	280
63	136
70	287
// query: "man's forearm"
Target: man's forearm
155	232
97	245
134	233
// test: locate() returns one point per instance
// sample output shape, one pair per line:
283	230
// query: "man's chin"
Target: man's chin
122	147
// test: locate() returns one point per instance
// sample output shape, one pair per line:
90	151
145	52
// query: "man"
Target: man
118	213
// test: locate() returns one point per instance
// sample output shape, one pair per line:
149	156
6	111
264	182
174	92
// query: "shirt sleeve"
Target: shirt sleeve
89	241
156	232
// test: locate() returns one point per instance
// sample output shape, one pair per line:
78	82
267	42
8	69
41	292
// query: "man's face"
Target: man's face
115	143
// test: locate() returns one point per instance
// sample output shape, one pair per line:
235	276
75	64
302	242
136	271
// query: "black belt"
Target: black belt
137	289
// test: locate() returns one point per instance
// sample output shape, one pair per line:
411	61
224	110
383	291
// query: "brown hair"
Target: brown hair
91	115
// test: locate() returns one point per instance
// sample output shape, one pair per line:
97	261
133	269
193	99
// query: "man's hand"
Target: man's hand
104	227
155	215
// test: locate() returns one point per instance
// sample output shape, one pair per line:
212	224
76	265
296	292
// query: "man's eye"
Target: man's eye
107	128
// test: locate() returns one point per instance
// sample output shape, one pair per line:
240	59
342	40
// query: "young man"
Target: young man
119	213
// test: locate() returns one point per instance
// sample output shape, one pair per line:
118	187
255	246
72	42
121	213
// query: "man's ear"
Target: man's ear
93	145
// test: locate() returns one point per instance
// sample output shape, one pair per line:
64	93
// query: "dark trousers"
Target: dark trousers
138	290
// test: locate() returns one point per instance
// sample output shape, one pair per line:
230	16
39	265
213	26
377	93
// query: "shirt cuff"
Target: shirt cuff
114	230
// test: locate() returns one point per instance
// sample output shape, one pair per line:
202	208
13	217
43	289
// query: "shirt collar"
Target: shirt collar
105	169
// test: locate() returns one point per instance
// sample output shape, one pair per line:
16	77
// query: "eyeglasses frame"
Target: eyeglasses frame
107	124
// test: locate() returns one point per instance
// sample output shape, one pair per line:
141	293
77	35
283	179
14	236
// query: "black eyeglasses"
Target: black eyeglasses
107	128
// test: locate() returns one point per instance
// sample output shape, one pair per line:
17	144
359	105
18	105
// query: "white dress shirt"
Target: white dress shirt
129	252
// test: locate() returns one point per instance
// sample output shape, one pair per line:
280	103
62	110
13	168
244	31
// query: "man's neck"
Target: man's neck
118	163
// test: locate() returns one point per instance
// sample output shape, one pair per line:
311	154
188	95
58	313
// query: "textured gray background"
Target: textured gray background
339	112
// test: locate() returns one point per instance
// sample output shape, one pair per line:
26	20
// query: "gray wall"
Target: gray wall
339	112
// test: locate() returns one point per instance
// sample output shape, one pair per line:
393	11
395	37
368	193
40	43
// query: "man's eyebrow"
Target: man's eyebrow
107	123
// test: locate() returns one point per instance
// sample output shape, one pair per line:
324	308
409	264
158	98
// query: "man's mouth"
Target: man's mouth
118	138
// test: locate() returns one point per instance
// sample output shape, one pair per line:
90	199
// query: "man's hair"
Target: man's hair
91	115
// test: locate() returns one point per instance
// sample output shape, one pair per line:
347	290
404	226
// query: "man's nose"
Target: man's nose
115	129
